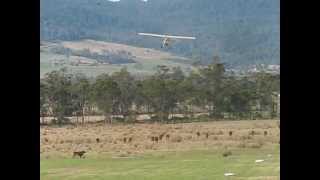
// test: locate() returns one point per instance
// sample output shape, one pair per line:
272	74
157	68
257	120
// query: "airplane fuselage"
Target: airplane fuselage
167	38
165	42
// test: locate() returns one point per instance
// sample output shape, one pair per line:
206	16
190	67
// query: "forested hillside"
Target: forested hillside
241	32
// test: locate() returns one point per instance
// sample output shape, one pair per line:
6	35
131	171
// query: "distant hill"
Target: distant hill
241	32
95	57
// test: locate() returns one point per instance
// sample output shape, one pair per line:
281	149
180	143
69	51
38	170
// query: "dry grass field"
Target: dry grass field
140	138
162	151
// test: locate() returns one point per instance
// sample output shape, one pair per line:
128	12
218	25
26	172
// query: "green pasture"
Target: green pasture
188	165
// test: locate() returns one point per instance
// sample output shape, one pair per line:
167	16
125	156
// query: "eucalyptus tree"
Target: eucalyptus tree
59	94
106	93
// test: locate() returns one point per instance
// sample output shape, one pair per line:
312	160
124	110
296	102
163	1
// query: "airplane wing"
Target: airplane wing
166	36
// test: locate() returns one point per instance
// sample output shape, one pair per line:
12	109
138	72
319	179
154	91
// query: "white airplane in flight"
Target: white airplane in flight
166	38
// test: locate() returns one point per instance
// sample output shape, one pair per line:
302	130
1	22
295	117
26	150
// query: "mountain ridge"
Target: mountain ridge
242	32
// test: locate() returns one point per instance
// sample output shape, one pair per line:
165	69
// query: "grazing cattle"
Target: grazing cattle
130	139
230	133
207	135
125	140
97	140
161	136
79	153
167	136
252	133
226	154
265	133
156	139
198	134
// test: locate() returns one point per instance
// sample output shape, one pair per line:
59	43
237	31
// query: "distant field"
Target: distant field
184	155
147	59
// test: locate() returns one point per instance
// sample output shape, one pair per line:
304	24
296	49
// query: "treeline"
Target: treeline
167	92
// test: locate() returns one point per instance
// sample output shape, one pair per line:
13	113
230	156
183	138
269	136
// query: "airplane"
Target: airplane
166	38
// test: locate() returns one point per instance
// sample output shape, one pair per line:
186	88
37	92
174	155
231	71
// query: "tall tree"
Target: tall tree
43	100
239	93
193	88
127	88
106	93
162	91
59	94
213	76
80	92
266	85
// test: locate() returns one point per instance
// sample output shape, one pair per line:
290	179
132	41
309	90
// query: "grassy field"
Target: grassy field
184	155
147	59
191	165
